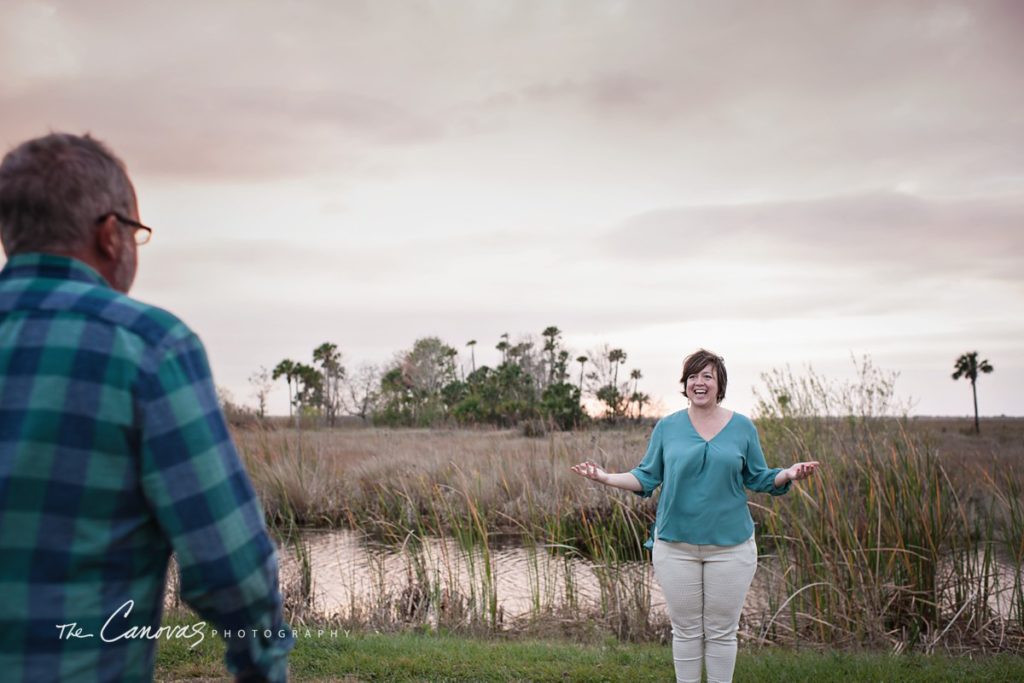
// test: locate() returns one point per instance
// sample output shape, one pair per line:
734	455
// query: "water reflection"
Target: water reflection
510	582
348	572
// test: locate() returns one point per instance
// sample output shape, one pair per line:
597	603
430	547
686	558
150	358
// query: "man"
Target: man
113	450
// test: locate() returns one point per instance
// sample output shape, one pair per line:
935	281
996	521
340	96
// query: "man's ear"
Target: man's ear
108	238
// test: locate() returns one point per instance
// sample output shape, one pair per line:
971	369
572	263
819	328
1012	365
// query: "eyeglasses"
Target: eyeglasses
143	233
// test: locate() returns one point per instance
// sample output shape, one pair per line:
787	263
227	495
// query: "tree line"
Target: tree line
541	383
425	386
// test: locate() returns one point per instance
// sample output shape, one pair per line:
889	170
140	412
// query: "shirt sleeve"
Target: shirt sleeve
205	504
757	476
651	470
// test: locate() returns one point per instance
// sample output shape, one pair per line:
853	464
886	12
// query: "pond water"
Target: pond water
347	571
350	576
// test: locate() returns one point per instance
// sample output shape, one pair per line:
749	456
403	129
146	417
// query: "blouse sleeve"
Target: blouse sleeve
757	476
650	471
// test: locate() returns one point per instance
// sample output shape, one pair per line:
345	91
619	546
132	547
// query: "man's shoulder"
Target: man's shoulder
156	326
152	325
56	286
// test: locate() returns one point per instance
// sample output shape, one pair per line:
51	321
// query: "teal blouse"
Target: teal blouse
702	499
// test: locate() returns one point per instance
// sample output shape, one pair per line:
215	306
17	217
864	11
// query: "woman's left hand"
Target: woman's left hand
801	470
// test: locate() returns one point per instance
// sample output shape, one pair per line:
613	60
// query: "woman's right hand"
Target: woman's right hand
591	470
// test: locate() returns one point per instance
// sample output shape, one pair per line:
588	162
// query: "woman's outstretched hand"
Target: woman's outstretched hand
591	470
801	470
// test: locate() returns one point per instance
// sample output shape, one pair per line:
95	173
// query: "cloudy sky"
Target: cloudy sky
784	183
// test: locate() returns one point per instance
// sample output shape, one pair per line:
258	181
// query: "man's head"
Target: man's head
69	195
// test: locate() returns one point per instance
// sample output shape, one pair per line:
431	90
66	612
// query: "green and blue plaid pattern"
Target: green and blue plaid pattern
113	454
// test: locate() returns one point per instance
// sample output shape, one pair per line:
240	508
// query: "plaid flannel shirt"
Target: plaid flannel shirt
114	453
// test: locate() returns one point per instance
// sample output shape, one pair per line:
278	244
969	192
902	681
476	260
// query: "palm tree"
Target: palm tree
551	335
286	369
332	373
635	375
472	353
504	346
640	399
967	365
582	360
309	389
616	356
448	361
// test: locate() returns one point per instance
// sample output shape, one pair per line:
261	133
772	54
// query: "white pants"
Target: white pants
704	587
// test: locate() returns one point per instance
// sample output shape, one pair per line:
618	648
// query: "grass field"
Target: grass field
911	538
898	547
437	658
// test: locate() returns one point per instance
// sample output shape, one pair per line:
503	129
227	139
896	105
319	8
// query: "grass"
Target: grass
911	537
473	487
900	543
445	657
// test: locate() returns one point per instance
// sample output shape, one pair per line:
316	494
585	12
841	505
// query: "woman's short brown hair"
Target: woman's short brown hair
697	361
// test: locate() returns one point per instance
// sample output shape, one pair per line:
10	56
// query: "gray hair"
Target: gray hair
54	188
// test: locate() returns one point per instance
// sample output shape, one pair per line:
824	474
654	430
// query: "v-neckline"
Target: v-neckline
715	436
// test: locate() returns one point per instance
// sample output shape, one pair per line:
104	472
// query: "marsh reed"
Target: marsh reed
896	544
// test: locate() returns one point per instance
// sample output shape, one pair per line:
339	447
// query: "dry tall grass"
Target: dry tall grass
899	542
890	547
390	482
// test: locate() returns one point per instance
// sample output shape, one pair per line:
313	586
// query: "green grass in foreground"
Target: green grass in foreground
414	657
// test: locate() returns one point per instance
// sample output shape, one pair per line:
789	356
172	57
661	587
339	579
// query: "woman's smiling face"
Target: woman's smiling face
702	387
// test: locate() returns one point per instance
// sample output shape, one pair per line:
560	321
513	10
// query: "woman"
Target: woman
704	552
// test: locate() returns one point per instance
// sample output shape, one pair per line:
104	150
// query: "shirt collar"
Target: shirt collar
52	267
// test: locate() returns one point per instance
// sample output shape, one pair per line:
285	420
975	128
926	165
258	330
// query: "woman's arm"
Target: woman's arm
757	476
623	480
642	479
800	470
